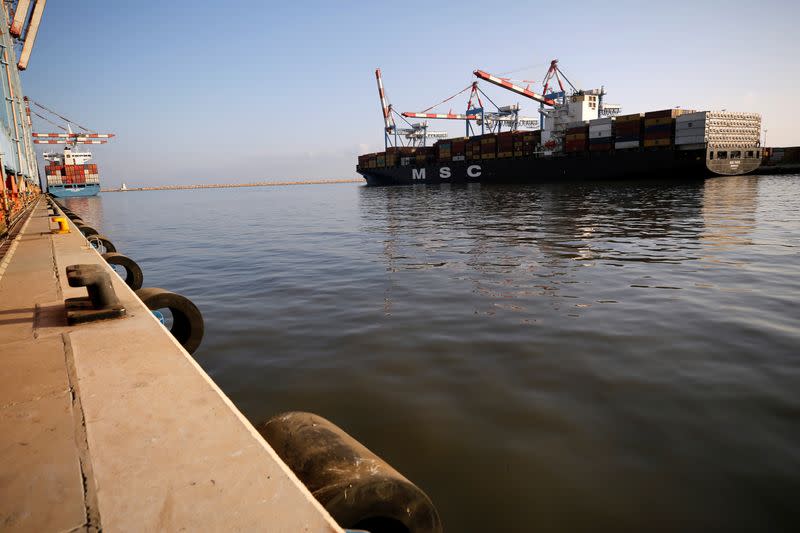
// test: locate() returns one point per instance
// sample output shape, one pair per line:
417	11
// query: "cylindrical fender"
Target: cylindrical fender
101	240
133	273
87	230
187	321
358	488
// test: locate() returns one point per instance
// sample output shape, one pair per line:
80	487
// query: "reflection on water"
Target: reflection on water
729	211
548	358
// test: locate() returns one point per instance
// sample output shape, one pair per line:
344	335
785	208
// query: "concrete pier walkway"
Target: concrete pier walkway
112	425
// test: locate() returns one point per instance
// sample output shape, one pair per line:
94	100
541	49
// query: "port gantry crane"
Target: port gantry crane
508	115
68	138
562	110
415	134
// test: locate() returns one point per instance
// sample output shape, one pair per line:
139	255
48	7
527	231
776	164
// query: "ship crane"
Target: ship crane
416	134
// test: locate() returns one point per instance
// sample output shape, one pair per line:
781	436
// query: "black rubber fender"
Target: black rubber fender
133	273
187	321
94	240
358	488
87	230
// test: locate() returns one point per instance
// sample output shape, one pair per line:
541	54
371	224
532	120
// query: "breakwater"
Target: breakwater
234	185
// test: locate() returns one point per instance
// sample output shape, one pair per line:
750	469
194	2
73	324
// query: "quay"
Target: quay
233	185
111	424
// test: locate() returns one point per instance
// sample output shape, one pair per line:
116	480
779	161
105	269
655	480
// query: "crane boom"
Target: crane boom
388	122
68	141
72	135
514	88
20	15
450	116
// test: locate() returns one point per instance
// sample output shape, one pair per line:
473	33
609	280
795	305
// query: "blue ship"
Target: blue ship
73	190
69	175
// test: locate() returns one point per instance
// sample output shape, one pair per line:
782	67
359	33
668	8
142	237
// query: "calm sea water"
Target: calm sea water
547	358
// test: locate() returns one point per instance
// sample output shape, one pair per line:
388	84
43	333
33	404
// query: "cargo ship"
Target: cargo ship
69	175
581	139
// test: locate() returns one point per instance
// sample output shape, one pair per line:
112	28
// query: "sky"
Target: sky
239	91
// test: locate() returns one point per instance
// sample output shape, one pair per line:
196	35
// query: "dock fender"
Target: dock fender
133	273
98	240
187	321
87	230
358	488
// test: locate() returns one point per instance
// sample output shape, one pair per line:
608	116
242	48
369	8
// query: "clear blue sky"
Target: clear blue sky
201	91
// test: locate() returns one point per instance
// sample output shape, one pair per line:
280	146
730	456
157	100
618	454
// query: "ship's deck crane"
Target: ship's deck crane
416	133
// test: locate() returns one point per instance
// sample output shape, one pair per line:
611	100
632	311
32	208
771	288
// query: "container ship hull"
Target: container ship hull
73	191
619	165
69	176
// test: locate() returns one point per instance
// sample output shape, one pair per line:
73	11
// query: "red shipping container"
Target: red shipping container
605	147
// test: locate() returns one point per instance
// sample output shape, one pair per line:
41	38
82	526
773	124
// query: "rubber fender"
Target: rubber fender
358	488
133	273
87	230
187	321
98	239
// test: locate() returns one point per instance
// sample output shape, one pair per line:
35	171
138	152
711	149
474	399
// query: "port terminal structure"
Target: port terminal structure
112	424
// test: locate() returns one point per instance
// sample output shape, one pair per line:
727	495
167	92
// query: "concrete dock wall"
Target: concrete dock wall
113	425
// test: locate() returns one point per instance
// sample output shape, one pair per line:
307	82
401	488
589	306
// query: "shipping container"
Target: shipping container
601	147
667	113
626	145
651	143
636	117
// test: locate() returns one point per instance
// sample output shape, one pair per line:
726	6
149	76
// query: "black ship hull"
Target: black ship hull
590	166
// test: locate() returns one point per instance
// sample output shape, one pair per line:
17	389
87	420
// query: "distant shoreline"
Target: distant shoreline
232	185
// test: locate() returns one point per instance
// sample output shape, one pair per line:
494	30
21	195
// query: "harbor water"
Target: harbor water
582	357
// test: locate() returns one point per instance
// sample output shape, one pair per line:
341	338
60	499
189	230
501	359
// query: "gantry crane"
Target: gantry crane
561	110
415	134
68	137
508	115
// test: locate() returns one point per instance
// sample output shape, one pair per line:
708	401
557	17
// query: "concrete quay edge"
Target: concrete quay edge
112	425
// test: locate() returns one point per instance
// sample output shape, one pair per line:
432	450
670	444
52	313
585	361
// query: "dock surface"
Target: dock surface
112	425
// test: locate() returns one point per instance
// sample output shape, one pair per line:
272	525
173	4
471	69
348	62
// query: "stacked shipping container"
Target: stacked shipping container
659	127
601	134
72	174
667	128
505	144
628	131
577	138
488	146
718	129
525	142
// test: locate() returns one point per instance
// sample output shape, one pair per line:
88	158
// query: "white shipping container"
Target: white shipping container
626	144
601	121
